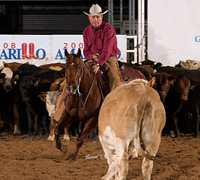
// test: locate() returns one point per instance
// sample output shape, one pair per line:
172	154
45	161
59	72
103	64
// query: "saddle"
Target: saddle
127	74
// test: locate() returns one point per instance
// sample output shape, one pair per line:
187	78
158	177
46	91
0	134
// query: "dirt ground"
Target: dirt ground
21	159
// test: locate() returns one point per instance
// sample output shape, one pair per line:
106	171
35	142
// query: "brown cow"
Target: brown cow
178	93
13	66
163	83
131	116
51	65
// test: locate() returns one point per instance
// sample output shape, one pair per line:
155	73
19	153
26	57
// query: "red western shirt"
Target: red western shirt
100	40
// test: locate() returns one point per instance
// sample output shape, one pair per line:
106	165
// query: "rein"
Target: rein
83	104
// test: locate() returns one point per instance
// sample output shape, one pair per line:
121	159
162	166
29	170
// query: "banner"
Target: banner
46	49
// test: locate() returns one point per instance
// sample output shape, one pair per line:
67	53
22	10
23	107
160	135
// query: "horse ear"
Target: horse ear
66	53
79	52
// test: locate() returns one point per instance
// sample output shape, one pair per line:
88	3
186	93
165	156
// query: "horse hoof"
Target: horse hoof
51	138
72	160
66	138
16	130
70	157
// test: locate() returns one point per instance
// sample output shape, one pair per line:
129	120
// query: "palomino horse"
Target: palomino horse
83	100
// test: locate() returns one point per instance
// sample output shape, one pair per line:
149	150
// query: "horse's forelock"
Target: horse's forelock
73	59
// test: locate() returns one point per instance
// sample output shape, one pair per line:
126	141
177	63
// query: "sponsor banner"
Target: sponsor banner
25	48
46	49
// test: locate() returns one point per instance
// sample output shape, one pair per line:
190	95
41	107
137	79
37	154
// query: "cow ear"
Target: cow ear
5	64
79	52
66	53
151	82
36	81
3	75
15	79
192	87
2	81
36	84
42	96
2	78
172	81
16	76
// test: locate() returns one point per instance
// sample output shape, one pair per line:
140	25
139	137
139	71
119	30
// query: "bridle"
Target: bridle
78	93
78	85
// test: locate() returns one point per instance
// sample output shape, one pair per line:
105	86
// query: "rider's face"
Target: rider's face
95	21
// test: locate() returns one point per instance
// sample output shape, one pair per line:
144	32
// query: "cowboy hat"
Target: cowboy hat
95	10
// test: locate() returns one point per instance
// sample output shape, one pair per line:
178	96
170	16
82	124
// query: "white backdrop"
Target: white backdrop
46	48
173	30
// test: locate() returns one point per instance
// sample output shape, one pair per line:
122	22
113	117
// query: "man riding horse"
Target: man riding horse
100	45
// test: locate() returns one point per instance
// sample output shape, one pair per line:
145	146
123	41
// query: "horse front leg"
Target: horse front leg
87	130
64	121
66	133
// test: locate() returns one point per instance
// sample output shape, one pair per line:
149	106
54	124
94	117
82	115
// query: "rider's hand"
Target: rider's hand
95	57
95	68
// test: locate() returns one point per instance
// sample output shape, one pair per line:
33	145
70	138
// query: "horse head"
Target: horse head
73	72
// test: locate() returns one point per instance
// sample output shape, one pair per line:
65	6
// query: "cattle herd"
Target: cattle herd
28	97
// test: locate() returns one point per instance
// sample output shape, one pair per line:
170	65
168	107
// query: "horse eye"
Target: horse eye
79	67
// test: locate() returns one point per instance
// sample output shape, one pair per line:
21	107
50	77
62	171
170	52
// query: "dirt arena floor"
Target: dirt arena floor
21	159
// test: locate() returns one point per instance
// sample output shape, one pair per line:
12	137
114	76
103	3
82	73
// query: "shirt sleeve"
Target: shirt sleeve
109	40
86	51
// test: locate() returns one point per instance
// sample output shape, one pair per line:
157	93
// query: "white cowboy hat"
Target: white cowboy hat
95	10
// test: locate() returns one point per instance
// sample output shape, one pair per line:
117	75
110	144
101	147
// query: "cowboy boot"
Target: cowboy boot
24	51
31	51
